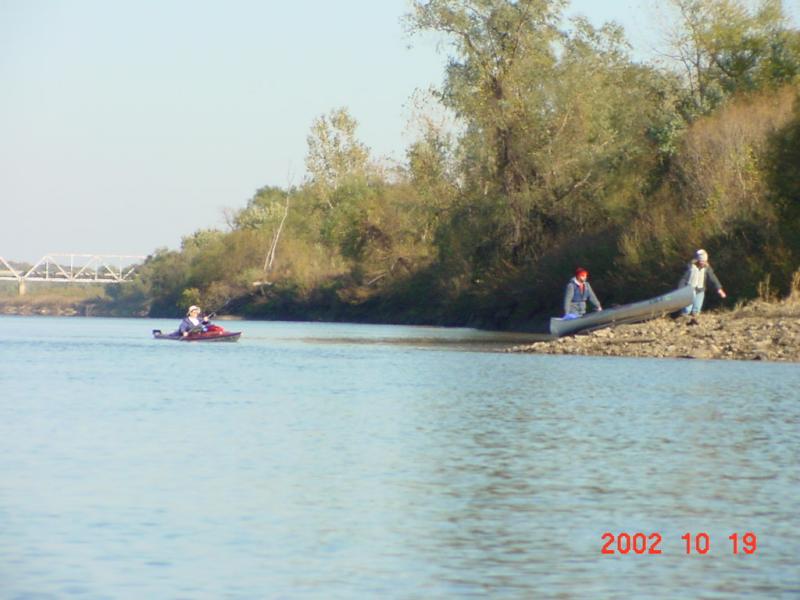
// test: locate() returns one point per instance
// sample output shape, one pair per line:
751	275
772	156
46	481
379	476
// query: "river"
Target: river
314	460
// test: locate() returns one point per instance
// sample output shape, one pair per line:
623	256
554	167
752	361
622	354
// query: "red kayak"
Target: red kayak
210	333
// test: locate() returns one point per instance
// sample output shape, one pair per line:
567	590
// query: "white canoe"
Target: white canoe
628	313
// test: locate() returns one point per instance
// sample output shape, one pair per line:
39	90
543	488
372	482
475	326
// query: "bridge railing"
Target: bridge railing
75	268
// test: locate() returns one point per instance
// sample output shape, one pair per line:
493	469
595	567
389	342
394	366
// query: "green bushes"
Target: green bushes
567	153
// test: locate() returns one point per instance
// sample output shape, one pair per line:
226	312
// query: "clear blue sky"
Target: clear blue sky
125	125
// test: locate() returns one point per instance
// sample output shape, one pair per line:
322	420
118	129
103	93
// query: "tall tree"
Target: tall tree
500	49
729	46
334	153
547	113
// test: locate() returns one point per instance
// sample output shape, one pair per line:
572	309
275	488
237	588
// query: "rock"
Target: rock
760	331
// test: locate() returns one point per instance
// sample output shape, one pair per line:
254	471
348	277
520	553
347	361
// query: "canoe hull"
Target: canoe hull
210	336
628	313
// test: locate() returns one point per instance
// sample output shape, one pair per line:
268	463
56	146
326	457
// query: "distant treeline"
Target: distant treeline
564	152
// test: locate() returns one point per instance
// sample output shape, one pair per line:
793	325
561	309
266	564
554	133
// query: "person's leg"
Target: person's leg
687	310
697	303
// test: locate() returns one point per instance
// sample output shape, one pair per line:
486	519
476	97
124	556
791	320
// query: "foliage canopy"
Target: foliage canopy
568	152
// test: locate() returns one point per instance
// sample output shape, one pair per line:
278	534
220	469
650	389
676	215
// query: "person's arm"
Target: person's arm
184	327
568	297
687	274
592	298
715	281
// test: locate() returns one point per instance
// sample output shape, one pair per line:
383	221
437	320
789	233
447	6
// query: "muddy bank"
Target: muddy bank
759	331
52	309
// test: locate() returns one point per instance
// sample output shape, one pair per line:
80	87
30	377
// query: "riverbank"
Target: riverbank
47	309
83	302
758	331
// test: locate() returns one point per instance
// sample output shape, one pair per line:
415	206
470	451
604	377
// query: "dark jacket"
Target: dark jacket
575	298
186	325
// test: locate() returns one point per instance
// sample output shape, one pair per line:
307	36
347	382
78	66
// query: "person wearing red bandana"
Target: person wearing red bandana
578	292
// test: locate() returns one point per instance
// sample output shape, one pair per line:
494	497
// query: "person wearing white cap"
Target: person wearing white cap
698	274
192	321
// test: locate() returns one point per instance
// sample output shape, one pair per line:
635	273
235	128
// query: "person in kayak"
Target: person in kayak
578	292
192	321
698	274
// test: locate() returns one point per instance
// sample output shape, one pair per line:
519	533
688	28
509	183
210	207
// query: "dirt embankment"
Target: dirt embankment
47	308
758	331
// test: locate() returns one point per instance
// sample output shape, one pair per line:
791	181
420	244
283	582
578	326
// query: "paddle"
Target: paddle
214	313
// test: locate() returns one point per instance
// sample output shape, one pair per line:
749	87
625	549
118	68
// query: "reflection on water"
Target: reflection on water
493	341
347	461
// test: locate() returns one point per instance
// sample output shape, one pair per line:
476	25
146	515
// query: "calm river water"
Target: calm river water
354	461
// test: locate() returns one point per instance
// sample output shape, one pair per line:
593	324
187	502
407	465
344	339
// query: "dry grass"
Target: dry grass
768	305
794	294
722	156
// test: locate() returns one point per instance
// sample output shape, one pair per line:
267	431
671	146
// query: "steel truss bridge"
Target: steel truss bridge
74	268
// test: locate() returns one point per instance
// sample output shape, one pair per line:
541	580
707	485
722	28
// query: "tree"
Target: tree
266	211
334	153
724	47
551	117
500	49
433	174
783	165
262	210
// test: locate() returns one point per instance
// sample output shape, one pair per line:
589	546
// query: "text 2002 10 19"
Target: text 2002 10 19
694	543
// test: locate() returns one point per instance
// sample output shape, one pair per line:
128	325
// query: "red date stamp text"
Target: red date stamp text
693	543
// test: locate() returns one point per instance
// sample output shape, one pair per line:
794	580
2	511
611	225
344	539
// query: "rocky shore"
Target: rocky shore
759	331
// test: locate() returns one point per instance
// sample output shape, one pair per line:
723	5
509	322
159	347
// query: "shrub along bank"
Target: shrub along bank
566	152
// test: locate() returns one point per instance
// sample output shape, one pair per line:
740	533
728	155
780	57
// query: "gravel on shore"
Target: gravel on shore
758	331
